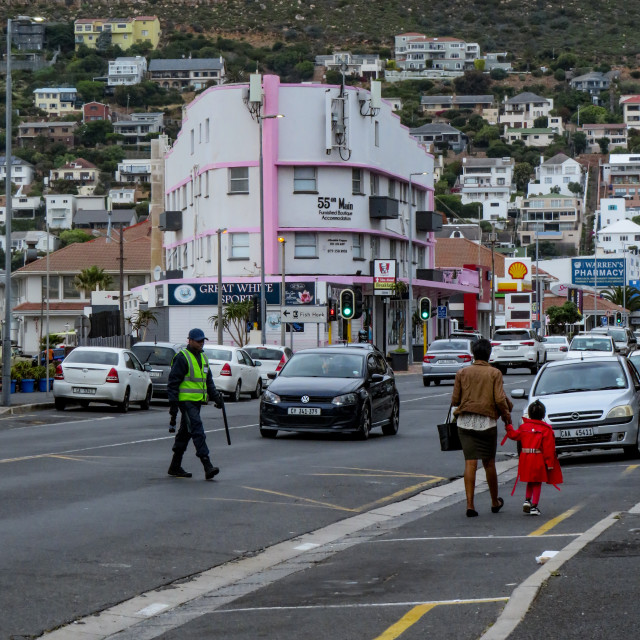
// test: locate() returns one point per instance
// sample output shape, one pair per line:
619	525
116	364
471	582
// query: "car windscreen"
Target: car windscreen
450	345
580	376
154	355
217	354
264	353
619	335
511	335
590	344
555	340
92	357
323	365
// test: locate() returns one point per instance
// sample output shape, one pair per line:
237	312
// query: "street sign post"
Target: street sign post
442	312
303	314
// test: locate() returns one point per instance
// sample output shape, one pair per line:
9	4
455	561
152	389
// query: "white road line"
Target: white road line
56	424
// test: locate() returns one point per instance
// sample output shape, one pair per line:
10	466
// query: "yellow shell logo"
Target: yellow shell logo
518	270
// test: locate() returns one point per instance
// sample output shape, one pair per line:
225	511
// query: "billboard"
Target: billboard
517	275
384	277
206	293
610	272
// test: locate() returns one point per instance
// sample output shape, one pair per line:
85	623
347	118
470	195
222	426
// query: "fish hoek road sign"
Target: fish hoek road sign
303	314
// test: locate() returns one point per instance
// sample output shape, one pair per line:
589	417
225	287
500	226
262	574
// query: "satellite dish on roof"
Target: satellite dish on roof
157	273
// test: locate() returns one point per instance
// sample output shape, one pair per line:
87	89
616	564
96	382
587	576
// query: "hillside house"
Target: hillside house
81	172
126	71
123	32
57	101
183	73
488	181
357	65
521	111
556	174
63	132
615	133
22	172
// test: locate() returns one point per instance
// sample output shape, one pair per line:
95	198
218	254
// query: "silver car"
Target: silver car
444	359
591	404
271	358
160	356
555	348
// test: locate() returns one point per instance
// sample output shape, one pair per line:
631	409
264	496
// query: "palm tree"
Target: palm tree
234	319
142	319
629	297
91	278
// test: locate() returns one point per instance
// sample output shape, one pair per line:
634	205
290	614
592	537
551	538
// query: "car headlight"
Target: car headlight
347	398
621	411
270	397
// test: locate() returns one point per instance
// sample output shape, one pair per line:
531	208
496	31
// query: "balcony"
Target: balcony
428	221
383	208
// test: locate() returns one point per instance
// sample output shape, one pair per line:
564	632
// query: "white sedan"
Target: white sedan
271	358
555	348
233	371
102	374
591	346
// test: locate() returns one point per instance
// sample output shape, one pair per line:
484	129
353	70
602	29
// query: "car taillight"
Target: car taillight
465	357
528	344
226	370
428	358
59	373
280	364
495	344
112	376
564	348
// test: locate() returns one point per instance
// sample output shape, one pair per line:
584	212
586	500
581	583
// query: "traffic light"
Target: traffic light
424	309
347	304
331	306
358	303
254	313
618	317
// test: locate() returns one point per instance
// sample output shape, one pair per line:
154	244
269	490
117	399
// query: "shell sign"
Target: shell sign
517	275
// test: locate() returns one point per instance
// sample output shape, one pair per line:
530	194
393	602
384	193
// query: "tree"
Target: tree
235	317
579	142
91	278
142	319
90	90
629	297
541	123
95	132
522	174
591	114
473	83
568	313
604	144
71	236
575	187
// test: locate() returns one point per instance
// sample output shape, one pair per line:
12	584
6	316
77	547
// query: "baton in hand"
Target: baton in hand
226	425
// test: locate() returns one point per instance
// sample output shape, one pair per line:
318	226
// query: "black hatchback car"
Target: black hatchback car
325	390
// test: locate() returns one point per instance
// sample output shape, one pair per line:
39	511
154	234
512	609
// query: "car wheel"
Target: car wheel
437	382
258	390
60	404
84	403
633	451
534	369
426	382
268	433
391	428
123	406
146	403
235	396
365	422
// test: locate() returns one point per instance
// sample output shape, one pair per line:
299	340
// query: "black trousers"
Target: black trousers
191	428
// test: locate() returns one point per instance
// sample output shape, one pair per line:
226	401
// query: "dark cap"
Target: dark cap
197	335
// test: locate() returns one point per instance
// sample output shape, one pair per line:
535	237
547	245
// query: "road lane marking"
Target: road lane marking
557	520
453	538
57	424
152	609
398	494
443	395
289	495
407	620
630	468
269	502
385	472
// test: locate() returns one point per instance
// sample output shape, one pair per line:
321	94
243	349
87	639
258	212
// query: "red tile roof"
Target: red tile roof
102	254
78	163
456	252
587	303
53	306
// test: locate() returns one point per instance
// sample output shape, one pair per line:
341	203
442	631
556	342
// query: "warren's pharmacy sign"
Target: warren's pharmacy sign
610	272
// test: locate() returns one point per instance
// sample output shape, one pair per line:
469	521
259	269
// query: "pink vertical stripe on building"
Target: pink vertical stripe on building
271	87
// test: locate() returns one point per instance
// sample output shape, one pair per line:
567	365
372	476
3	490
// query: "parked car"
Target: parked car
591	404
18	355
515	348
160	356
445	358
326	390
356	345
234	371
589	345
55	356
624	339
634	359
102	374
271	358
555	348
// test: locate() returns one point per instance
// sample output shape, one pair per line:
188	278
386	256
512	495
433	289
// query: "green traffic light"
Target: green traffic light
425	315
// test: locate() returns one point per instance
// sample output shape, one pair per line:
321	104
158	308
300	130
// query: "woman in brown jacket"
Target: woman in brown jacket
480	400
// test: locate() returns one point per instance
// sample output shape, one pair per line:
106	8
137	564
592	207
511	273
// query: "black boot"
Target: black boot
175	468
209	469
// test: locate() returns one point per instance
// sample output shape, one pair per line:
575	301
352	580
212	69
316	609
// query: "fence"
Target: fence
121	342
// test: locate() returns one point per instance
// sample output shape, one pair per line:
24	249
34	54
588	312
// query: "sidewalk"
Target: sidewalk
21	402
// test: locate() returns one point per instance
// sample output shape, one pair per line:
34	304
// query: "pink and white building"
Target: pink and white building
336	172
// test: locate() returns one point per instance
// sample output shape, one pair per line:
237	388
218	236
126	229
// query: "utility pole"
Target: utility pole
122	329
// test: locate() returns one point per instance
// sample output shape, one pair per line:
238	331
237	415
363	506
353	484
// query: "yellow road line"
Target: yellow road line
288	495
370	475
398	494
540	531
407	620
630	468
286	504
385	471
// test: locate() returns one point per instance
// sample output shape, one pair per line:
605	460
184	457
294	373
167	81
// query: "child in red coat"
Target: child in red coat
538	461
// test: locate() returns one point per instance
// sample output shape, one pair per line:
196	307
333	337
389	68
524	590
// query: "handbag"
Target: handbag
448	433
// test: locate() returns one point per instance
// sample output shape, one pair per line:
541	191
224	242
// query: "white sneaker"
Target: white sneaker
526	506
534	511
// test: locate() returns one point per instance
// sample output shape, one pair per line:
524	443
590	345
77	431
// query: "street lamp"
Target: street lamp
493	238
219	232
409	323
263	298
283	326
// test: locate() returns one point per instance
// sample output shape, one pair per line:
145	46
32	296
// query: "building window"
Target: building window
358	247
54	288
375	246
306	245
376	134
136	281
305	180
69	288
239	180
374	183
392	188
240	246
392	249
356	181
421	256
206	130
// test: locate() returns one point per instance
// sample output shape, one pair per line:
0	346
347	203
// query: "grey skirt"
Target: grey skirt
479	445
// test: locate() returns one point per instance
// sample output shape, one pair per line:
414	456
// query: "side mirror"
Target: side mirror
519	393
272	375
257	363
148	367
376	377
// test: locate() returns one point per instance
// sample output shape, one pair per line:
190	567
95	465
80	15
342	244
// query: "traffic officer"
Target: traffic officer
190	383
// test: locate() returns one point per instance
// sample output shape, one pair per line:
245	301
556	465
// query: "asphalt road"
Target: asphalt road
89	518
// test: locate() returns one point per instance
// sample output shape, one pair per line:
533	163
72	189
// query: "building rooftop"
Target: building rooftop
186	64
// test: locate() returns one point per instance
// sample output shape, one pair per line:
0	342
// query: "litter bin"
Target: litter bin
27	385
400	361
418	353
13	386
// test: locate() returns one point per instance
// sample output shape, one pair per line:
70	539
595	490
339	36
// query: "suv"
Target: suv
515	348
159	355
623	338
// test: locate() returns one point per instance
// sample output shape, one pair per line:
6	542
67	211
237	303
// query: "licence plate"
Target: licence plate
84	391
549	350
511	347
155	374
576	433
447	362
303	411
